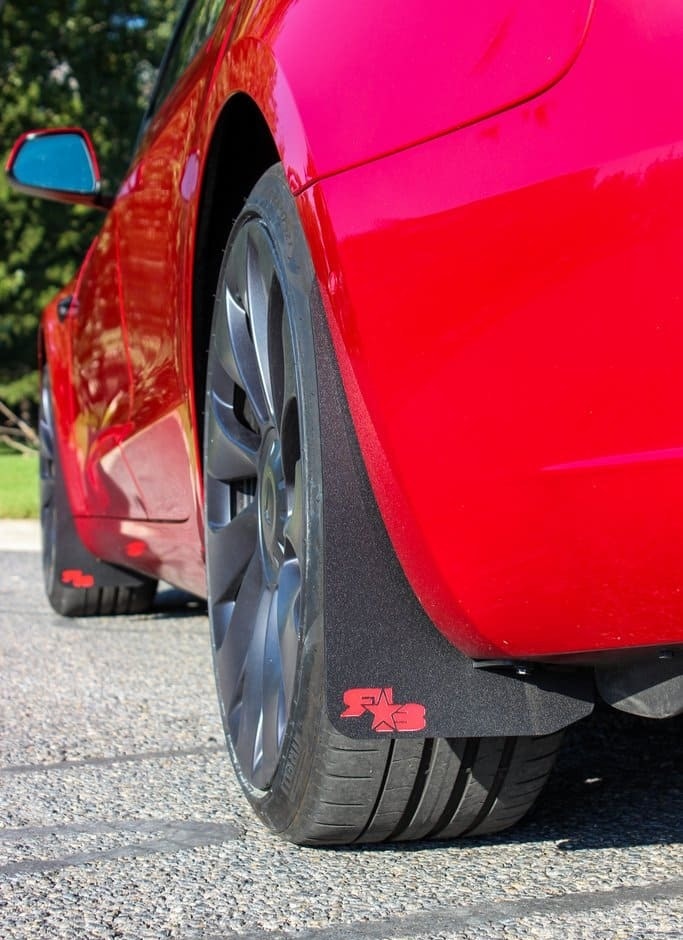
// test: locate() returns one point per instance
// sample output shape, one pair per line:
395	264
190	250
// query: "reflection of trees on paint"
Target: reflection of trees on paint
84	62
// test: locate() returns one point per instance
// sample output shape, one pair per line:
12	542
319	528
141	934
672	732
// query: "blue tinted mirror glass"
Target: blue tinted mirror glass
60	162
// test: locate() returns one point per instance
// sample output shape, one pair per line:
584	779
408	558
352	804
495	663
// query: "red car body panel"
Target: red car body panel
492	200
507	306
385	75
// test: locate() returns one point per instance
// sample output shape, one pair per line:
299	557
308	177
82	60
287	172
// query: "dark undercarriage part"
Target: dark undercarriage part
647	681
651	687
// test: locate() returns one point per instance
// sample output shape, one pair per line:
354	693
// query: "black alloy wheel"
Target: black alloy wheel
261	443
47	469
264	504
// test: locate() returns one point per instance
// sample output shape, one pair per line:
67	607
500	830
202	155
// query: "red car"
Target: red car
379	349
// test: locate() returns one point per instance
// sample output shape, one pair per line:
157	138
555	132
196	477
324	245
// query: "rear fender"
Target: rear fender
389	670
342	84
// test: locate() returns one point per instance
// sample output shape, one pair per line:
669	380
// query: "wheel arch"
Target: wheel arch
242	148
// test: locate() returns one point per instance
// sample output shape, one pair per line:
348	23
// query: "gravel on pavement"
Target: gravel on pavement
120	815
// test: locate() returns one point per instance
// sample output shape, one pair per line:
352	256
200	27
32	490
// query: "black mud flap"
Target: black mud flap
68	561
389	670
78	567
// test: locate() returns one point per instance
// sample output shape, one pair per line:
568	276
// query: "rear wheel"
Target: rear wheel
77	583
264	510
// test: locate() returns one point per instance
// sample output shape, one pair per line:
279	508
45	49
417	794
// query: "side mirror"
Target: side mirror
57	164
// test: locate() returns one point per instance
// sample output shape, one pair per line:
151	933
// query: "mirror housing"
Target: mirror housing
58	164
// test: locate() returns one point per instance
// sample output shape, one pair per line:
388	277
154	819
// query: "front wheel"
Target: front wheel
264	539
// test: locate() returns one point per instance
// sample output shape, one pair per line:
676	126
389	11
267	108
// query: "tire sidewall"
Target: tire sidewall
272	204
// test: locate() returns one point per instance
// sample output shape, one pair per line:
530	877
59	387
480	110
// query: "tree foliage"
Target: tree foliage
71	62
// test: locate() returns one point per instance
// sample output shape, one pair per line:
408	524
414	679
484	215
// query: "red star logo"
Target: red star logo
383	711
77	578
386	714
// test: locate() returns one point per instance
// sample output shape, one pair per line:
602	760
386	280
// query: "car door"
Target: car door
155	207
101	379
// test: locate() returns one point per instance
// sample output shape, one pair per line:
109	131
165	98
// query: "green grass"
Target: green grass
18	485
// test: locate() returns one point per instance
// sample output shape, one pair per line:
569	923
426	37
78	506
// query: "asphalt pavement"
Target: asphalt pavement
120	815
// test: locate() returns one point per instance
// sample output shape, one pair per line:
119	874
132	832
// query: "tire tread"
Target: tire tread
101	602
407	790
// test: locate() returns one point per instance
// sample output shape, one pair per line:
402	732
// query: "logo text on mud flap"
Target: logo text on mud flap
77	578
387	715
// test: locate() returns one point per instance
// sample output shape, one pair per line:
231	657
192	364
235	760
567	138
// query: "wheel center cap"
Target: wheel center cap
272	505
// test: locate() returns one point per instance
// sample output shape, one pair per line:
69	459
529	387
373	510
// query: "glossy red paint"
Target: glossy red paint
341	84
170	551
157	208
385	75
507	307
493	202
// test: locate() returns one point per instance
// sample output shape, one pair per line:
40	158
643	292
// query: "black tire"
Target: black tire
77	583
264	506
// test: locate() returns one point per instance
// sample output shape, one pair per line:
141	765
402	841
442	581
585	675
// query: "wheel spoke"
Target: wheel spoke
259	281
288	624
237	355
230	548
231	448
249	737
255	556
222	347
231	656
273	707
